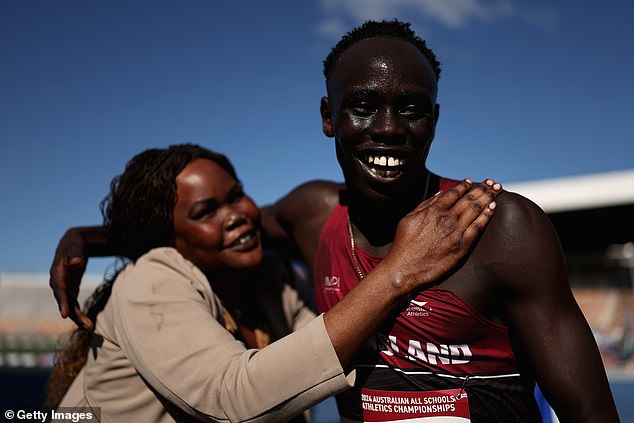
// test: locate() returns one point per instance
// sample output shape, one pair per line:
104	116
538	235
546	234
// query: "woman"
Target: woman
193	327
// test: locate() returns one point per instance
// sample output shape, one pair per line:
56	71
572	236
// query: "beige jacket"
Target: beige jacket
162	354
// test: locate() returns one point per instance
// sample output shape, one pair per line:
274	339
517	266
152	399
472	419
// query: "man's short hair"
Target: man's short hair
379	29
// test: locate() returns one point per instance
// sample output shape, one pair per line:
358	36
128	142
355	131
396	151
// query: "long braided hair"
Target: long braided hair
138	216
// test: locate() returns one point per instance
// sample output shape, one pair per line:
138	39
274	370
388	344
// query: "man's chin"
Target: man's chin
380	191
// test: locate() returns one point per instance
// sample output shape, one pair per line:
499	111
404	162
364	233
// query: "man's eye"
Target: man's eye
362	109
412	112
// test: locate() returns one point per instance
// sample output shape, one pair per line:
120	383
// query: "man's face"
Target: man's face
381	109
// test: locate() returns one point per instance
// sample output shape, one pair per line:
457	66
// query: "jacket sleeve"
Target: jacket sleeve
297	313
170	335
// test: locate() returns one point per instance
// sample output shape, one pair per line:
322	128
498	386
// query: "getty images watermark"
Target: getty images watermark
59	415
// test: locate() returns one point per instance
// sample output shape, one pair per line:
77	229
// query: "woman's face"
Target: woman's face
216	225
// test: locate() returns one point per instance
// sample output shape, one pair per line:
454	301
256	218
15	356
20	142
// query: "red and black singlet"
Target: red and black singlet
433	344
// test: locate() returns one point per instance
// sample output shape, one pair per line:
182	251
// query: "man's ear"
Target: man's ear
326	118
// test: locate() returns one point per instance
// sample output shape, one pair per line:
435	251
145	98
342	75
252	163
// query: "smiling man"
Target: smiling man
472	346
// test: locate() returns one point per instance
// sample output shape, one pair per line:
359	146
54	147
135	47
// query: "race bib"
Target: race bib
446	406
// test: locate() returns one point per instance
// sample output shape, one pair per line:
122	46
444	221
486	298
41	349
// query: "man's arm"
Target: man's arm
550	335
69	265
293	224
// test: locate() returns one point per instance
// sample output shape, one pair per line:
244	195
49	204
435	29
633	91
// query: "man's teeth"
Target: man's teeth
385	162
388	161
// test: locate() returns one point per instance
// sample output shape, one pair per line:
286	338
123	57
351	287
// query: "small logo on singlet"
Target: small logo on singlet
418	309
332	284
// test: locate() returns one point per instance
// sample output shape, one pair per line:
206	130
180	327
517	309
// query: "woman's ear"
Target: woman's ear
326	118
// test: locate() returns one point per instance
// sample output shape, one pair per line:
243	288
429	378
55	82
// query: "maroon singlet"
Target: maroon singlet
433	344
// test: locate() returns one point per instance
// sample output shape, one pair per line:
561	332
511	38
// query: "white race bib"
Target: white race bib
444	406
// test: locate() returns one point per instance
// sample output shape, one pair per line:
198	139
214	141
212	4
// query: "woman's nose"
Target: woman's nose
235	220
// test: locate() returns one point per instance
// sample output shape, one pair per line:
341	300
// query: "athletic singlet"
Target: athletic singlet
437	343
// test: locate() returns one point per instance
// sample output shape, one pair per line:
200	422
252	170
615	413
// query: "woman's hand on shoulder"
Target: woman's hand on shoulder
443	228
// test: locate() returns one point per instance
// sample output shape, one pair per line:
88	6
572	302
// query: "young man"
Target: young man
473	345
503	319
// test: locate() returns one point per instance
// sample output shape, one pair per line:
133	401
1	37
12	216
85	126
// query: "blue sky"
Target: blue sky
529	90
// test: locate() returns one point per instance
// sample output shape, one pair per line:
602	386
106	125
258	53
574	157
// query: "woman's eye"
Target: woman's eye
204	213
237	196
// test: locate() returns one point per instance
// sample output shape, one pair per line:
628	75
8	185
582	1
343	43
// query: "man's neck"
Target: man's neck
374	223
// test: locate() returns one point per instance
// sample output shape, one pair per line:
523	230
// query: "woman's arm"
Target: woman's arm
168	323
182	351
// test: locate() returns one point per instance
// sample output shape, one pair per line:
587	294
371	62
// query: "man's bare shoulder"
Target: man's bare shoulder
309	199
516	215
319	187
301	212
520	245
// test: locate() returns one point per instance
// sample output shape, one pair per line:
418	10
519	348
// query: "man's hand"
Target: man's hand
66	271
438	234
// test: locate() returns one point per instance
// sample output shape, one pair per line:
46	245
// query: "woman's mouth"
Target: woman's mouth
246	239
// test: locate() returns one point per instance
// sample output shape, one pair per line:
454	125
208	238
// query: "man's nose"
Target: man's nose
387	127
